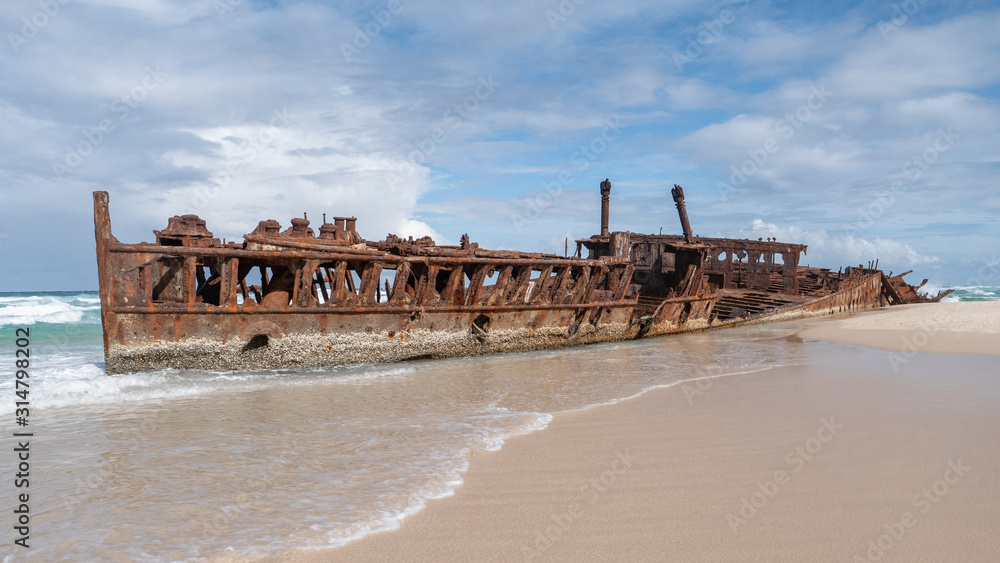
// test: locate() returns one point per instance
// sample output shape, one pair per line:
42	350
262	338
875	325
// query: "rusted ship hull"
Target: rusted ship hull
322	305
290	298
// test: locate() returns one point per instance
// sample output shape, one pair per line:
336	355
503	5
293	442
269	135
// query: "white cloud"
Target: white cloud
843	250
356	122
697	94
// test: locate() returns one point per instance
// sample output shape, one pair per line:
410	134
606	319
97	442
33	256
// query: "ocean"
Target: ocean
185	465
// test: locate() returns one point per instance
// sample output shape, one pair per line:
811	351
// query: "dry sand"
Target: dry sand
971	327
862	460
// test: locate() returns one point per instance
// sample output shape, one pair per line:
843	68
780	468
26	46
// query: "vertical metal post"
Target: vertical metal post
605	207
678	193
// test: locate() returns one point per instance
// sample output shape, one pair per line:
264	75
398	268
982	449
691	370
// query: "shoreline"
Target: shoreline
606	482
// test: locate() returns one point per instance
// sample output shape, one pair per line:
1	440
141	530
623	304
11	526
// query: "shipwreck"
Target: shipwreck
294	298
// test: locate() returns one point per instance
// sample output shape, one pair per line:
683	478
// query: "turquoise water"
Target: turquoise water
976	293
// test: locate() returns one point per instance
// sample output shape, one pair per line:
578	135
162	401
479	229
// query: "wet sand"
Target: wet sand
880	455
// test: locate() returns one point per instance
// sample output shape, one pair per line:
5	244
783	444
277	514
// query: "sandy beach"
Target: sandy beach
883	455
971	327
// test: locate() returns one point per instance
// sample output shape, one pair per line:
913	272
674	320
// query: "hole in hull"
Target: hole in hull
480	327
258	341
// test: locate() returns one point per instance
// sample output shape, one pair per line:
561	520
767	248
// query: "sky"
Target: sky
866	130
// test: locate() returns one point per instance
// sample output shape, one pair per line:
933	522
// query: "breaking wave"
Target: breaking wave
970	293
23	309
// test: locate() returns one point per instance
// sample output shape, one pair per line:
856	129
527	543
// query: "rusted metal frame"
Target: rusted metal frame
580	289
476	282
352	286
190	279
199	275
370	279
265	282
768	260
795	268
443	252
208	309
296	284
455	290
229	270
686	285
623	282
837	298
502	286
146	282
308	246
614	275
244	291
337	255
890	292
331	280
339	283
738	244
557	292
598	275
320	279
519	289
428	284
712	297
595	280
538	292
305	282
418	273
399	294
